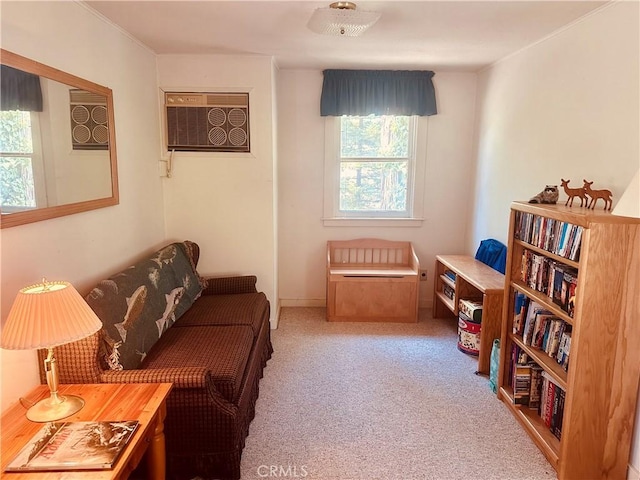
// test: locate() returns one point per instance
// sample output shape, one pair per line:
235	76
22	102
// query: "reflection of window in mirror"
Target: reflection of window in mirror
22	184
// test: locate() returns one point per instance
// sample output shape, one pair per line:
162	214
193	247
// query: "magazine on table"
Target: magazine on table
74	446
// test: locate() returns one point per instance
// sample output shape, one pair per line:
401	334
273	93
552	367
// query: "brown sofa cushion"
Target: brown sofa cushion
224	350
239	309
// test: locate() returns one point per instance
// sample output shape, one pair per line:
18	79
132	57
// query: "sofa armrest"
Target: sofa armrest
182	377
230	285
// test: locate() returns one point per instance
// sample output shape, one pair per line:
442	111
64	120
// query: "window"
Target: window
372	168
20	166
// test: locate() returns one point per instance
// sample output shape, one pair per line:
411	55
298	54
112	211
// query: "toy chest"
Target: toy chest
372	280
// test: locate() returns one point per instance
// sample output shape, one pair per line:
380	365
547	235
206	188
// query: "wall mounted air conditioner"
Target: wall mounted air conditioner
89	120
207	122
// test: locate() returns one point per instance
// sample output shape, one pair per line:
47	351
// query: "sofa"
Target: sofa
209	337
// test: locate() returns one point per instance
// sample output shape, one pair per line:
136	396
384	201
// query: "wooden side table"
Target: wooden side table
144	402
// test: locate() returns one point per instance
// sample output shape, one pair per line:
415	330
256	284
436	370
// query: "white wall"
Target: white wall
226	201
302	235
564	108
568	108
85	247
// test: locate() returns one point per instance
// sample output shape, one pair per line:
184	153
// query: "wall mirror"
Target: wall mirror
57	143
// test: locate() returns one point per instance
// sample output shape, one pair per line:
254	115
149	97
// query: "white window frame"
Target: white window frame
415	182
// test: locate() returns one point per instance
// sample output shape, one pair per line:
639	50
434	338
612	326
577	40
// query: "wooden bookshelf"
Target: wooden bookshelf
601	384
474	280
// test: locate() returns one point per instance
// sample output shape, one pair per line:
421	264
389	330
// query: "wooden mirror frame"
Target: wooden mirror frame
37	214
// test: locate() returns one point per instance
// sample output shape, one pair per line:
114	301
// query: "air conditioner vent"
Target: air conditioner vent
213	122
89	120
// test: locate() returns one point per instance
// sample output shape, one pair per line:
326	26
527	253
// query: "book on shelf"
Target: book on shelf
449	292
555	280
564	347
568	291
526	379
536	386
572	282
541	328
555	236
559	414
60	446
551	409
551	342
450	275
530	320
521	384
518	357
471	308
521	304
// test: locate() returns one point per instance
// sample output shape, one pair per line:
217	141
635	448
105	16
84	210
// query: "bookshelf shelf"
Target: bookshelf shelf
534	426
446	300
448	281
544	360
533	248
594	402
542	299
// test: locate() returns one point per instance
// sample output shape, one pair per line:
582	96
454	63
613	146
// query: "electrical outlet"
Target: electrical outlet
423	275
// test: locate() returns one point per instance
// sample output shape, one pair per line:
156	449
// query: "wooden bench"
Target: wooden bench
473	280
372	280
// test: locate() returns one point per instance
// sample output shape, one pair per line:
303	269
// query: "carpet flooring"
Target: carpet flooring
380	401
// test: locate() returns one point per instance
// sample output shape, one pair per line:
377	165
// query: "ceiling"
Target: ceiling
438	35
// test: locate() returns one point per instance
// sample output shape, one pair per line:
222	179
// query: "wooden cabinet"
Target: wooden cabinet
473	280
600	386
372	280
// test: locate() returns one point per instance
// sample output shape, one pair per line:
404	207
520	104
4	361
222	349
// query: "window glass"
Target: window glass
375	165
385	136
16	154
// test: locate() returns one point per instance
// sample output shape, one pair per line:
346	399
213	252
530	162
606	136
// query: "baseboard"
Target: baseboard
275	316
321	302
303	302
632	473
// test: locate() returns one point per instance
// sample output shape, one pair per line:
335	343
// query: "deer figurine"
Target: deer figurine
573	192
596	194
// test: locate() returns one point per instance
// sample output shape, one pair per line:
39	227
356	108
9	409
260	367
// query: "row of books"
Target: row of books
449	292
451	275
555	236
541	329
554	279
551	408
534	388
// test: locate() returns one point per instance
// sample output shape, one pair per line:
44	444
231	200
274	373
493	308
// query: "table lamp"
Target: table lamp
46	315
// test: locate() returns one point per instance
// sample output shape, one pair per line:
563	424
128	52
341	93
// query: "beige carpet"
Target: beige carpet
376	401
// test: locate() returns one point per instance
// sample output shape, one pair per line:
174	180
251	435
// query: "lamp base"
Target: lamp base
55	408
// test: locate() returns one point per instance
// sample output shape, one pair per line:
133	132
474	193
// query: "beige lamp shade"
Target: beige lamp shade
46	315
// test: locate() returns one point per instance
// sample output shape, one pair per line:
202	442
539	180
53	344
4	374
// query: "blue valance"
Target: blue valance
378	92
19	90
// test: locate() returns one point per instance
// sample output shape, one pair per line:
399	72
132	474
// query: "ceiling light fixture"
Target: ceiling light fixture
341	18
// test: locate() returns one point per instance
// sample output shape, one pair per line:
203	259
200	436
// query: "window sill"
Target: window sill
372	222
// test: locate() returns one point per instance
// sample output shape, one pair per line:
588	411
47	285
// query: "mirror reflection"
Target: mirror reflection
57	152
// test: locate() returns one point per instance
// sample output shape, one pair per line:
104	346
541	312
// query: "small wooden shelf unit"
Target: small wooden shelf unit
372	280
477	281
601	384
